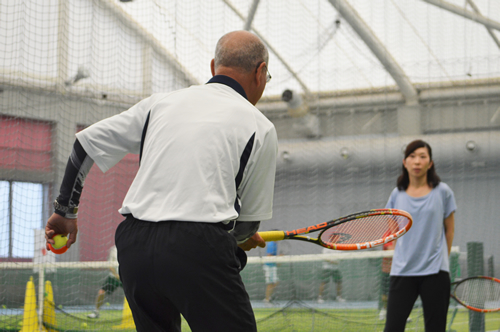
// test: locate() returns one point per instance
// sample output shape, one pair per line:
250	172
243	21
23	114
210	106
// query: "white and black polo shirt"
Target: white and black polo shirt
207	154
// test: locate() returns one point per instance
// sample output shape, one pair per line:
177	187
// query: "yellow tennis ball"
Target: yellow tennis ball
84	324
59	241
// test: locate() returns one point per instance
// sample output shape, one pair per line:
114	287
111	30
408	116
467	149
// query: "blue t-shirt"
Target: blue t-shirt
271	250
423	250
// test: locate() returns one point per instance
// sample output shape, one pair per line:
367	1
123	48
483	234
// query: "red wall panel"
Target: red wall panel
25	144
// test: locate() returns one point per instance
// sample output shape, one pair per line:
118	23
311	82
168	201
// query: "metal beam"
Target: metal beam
62	44
465	13
375	45
272	49
148	38
391	100
251	15
492	34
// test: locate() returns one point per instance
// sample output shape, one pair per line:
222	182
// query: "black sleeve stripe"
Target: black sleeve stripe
245	156
244	160
143	137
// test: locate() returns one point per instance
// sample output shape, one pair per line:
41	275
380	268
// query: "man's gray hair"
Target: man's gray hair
246	57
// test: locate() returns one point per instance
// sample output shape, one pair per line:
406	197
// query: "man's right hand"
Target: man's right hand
59	225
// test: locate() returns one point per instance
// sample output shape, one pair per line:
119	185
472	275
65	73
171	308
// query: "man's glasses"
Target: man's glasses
268	75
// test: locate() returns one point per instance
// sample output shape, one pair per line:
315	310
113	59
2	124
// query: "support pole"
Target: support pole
475	267
41	293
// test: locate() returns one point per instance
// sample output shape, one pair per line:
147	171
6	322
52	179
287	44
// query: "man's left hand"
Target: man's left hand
255	241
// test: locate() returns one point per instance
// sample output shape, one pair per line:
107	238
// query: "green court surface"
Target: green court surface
109	320
354	320
268	320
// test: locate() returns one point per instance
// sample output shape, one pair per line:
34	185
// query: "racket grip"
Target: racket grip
272	235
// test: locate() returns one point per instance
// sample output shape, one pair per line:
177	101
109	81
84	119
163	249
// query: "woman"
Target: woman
420	264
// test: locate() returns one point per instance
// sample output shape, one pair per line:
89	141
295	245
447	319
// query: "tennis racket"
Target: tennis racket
481	294
356	231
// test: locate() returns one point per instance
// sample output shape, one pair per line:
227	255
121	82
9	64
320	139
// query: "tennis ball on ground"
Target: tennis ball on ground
84	324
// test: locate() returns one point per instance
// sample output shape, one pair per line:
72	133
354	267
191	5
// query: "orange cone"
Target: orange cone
49	312
30	316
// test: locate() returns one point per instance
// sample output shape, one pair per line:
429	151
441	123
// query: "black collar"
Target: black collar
229	82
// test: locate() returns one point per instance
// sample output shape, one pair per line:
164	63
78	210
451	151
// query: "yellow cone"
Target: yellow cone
49	312
127	319
30	316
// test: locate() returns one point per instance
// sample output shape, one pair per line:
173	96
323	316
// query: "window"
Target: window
21	212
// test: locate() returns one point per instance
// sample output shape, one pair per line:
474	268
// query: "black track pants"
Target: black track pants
434	290
171	268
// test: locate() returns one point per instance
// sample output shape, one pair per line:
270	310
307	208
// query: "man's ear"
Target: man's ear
212	67
258	74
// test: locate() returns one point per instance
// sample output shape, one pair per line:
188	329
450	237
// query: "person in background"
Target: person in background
330	270
420	265
111	283
271	271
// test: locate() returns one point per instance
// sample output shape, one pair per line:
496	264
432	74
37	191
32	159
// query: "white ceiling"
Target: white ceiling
313	46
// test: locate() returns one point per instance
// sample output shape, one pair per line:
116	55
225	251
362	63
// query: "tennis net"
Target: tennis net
64	294
353	288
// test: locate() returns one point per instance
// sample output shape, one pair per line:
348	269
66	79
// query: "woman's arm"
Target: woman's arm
449	229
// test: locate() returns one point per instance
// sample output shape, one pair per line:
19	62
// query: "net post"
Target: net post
475	267
455	271
491	266
41	291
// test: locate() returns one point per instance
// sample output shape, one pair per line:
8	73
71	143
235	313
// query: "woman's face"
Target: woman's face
418	162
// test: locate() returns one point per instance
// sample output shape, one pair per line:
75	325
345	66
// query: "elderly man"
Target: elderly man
206	180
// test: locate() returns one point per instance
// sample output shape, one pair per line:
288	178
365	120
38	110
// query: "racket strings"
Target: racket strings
479	293
364	229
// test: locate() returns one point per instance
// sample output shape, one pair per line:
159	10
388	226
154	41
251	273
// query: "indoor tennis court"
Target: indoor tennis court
353	83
